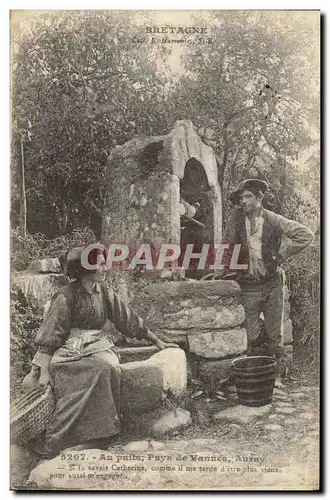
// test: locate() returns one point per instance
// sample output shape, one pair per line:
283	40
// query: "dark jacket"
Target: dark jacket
273	250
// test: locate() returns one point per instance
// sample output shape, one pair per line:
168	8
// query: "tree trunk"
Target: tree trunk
22	215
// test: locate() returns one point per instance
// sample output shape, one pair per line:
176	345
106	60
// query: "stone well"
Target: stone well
165	189
204	317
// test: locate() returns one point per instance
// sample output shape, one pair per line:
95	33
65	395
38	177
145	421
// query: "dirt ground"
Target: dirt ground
279	450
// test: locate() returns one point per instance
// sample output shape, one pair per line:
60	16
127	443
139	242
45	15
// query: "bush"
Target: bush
78	238
303	279
37	246
25	250
24	323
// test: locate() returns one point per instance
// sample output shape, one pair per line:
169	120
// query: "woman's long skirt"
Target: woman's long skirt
87	401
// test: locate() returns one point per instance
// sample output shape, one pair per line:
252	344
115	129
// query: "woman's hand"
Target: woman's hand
161	344
164	345
31	380
37	377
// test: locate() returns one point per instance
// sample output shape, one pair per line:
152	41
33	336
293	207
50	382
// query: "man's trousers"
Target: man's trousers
265	296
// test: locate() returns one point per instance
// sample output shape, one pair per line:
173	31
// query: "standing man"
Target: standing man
259	232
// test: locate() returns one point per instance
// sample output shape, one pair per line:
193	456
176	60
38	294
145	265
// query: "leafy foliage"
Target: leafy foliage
37	246
245	90
24	324
79	88
303	276
24	250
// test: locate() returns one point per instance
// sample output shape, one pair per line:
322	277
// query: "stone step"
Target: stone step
241	414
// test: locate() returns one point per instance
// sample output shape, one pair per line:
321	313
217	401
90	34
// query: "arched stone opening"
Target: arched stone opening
199	223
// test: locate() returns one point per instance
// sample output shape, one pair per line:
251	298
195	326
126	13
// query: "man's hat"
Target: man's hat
249	184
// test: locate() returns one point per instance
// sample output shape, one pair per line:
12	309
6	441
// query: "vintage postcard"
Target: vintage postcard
165	250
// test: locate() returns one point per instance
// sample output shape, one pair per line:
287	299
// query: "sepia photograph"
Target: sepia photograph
165	250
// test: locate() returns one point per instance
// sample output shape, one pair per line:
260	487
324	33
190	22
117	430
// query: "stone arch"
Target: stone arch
184	144
197	184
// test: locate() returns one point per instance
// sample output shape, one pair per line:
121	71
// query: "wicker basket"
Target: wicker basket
30	414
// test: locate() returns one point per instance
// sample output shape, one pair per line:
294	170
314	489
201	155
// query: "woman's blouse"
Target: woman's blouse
75	307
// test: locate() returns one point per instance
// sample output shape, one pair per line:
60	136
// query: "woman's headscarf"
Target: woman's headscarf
71	262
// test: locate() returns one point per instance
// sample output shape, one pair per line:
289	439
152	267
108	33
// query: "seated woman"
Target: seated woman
78	359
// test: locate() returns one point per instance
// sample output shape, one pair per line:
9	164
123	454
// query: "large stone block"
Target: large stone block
37	288
182	314
210	301
205	318
175	306
191	289
145	384
178	336
218	343
50	265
